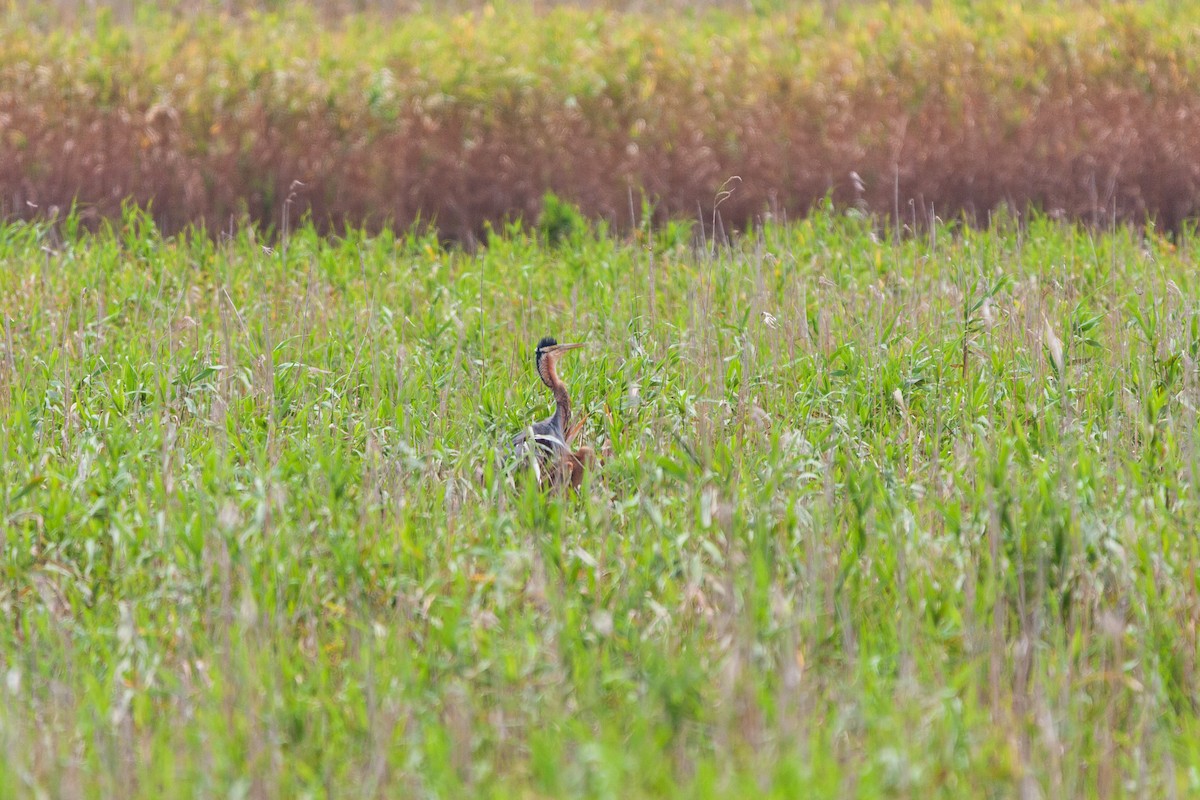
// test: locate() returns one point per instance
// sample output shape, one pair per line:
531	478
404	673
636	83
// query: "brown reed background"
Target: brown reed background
466	119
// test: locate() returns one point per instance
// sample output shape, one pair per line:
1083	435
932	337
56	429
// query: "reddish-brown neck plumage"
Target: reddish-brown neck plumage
549	376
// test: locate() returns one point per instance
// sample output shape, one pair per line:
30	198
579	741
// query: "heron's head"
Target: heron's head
547	355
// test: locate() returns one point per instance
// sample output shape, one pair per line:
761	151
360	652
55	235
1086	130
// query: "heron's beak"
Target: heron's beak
562	348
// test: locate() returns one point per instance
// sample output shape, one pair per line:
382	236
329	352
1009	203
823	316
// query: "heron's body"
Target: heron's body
548	435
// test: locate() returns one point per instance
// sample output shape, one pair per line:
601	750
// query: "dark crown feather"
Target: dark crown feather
547	341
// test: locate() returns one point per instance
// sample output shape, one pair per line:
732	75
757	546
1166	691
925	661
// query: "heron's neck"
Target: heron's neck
562	401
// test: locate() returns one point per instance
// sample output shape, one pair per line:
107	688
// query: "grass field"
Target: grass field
878	518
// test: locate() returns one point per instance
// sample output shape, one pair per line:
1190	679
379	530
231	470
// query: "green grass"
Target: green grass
876	519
